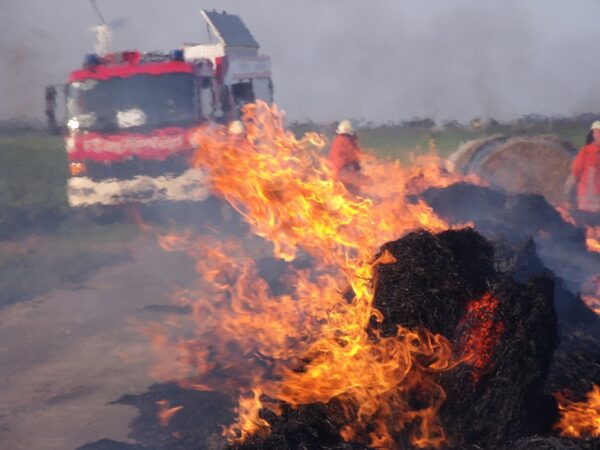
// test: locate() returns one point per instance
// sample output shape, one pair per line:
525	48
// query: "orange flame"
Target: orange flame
579	419
591	293
592	239
592	234
565	214
592	302
311	344
165	413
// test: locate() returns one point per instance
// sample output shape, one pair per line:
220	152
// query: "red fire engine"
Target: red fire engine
130	114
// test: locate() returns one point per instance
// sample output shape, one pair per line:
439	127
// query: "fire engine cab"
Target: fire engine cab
130	114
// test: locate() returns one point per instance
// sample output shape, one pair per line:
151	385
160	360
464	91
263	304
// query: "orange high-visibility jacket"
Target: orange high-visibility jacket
586	171
344	153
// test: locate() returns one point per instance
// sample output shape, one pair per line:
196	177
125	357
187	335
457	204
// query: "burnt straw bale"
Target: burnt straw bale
448	284
496	212
509	219
518	258
433	279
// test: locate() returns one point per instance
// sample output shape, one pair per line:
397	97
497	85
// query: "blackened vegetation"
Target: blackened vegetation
496	305
523	226
433	280
576	365
497	402
554	443
515	217
527	223
310	427
198	425
501	213
433	283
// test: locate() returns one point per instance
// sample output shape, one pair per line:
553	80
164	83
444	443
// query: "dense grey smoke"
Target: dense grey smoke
380	61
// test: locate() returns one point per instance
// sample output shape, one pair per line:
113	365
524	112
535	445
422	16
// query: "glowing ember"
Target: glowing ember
482	331
592	239
312	343
580	419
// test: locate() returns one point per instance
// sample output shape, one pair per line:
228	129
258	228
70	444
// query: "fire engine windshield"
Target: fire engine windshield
140	101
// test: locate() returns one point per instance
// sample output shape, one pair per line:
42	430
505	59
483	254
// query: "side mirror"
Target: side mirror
51	109
51	105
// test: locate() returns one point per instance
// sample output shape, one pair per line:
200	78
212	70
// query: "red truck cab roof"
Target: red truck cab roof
127	64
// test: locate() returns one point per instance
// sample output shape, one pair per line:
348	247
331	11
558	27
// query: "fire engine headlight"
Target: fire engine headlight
73	124
77	169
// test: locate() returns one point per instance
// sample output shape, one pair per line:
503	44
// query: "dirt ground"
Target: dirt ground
67	354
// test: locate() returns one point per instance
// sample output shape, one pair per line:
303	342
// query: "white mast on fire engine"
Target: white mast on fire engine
104	31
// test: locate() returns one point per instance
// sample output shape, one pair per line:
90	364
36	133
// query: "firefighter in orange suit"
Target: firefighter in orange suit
345	153
585	174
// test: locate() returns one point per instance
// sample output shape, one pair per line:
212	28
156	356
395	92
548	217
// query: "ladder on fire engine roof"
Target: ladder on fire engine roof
229	29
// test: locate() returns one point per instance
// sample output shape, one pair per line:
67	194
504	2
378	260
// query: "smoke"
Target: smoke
376	61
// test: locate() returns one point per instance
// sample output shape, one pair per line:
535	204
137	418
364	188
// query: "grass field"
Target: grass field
33	173
33	166
43	245
397	142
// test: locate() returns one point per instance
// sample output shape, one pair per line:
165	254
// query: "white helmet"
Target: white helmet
236	127
345	127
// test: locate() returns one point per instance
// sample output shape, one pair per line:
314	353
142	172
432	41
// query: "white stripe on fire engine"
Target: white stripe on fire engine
127	145
190	185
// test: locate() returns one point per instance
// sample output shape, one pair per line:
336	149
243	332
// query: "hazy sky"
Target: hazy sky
378	60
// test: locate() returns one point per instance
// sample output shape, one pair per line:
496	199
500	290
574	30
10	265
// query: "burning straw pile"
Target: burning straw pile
505	332
431	341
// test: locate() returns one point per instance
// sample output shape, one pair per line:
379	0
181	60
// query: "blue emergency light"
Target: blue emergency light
176	55
90	60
